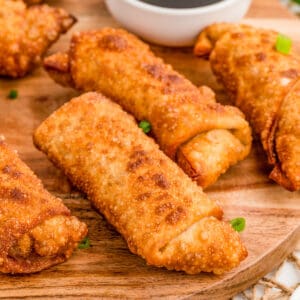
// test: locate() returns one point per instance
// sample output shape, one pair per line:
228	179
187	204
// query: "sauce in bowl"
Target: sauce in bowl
180	3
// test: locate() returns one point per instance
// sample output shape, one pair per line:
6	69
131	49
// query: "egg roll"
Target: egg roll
26	33
202	136
32	2
36	229
265	84
162	214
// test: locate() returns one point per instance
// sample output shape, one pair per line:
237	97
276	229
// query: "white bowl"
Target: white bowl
173	26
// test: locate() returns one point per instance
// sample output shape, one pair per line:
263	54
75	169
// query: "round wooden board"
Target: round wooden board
108	269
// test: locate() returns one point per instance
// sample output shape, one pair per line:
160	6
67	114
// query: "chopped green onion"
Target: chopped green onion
238	224
283	44
13	94
296	1
145	125
85	243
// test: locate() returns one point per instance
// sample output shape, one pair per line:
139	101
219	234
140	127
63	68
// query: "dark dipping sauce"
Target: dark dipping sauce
181	3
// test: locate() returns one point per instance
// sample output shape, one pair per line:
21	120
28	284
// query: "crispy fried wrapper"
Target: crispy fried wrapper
161	213
204	137
32	2
265	85
26	33
36	229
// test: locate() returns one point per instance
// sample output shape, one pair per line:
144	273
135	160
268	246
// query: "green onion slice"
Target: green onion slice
145	125
283	44
13	94
238	224
85	243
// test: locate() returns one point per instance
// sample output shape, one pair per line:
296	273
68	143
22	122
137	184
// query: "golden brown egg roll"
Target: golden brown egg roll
27	33
36	229
32	2
265	85
204	137
161	213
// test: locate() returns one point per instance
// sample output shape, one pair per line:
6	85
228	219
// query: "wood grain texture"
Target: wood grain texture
108	269
269	9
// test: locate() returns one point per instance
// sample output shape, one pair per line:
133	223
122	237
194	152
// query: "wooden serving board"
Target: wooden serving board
108	269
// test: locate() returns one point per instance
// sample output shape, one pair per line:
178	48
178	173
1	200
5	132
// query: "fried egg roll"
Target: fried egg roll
161	213
32	2
36	229
27	33
265	84
204	137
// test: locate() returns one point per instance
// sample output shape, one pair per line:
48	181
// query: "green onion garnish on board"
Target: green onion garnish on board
85	243
13	94
238	224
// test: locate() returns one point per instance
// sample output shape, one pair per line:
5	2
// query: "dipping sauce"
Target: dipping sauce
180	3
